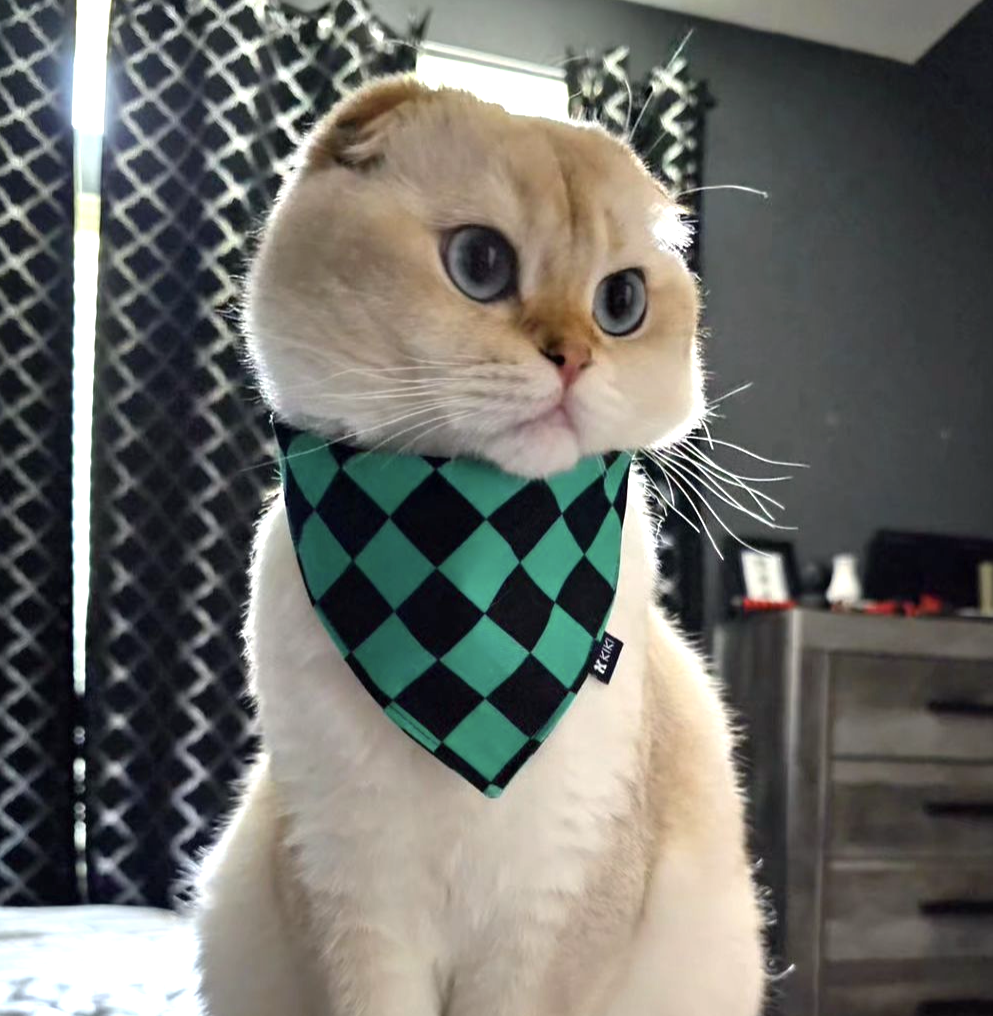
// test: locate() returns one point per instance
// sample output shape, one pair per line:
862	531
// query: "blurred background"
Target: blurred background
836	162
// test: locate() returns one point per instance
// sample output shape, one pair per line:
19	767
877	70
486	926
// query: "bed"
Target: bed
95	961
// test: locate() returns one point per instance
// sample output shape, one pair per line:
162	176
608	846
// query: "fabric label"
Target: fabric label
605	656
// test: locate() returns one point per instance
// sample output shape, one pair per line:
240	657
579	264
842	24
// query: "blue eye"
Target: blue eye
620	302
481	262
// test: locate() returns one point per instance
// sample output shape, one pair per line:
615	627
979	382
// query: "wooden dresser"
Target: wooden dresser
869	757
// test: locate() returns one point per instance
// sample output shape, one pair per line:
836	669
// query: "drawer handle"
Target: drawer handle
955	1007
957	908
961	707
959	809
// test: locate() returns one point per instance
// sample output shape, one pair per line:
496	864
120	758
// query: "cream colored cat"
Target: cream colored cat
359	876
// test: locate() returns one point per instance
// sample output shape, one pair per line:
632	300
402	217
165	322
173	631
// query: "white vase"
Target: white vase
845	589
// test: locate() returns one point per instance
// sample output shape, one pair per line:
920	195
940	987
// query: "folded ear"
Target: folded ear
351	134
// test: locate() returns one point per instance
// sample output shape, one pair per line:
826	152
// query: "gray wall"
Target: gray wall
859	297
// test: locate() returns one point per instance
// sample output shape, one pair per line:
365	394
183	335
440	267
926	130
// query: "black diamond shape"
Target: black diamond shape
585	515
436	518
529	696
354	607
511	769
382	699
437	614
586	595
459	764
351	515
439	700
521	608
620	502
526	517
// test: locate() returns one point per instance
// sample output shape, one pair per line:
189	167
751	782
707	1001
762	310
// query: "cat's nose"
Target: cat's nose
570	356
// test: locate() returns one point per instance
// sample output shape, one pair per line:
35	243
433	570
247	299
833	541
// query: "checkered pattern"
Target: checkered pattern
662	115
36	220
206	102
467	601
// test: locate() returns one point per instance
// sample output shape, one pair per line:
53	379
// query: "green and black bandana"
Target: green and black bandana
470	603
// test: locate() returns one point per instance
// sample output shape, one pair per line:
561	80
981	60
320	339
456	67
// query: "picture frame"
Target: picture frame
764	571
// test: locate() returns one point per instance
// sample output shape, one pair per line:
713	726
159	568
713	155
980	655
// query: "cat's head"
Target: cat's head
443	277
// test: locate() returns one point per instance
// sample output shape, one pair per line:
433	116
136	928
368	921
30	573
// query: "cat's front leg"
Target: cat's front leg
698	949
372	973
253	957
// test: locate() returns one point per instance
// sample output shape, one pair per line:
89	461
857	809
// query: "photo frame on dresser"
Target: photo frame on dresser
758	570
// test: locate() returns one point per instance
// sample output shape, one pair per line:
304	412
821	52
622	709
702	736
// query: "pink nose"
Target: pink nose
571	358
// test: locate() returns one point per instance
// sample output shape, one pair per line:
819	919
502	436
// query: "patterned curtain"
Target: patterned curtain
36	225
663	116
206	101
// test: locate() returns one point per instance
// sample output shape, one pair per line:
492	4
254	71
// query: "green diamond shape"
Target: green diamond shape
615	474
393	657
309	459
393	564
569	485
321	556
388	480
564	646
481	565
604	551
484	487
552	559
486	739
486	657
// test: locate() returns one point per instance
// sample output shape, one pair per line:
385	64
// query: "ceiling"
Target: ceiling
899	29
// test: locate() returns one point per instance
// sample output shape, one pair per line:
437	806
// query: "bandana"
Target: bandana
471	604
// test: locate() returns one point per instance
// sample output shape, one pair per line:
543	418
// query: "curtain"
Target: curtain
36	681
207	99
662	115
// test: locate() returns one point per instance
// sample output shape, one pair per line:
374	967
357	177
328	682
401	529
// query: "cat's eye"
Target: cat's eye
620	302
481	262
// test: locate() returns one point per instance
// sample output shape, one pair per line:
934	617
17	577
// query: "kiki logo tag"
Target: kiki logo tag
604	657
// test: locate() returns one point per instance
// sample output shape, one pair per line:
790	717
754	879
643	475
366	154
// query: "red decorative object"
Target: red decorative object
756	606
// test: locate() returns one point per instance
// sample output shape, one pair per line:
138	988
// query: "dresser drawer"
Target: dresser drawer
904	910
966	992
914	809
911	708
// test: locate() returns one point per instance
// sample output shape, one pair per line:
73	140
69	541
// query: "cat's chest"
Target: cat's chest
376	813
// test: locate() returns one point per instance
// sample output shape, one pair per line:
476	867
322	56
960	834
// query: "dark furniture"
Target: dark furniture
869	755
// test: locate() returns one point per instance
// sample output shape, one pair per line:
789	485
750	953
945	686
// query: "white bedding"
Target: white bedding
95	961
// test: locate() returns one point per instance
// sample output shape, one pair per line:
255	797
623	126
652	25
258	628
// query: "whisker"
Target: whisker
730	394
427	408
752	455
725	475
320	388
693	449
670	503
724	496
679	50
389	437
451	418
703	521
705	472
706	504
627	119
724	186
644	110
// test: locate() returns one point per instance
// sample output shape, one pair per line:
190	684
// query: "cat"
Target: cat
442	277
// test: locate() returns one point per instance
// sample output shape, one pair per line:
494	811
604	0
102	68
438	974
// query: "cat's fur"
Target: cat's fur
359	876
